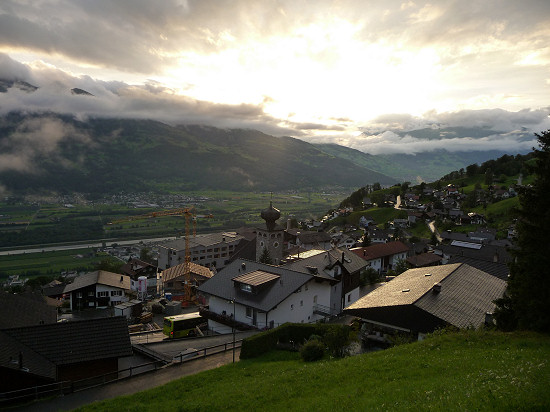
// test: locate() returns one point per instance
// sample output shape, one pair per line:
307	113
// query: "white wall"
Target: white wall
351	297
102	288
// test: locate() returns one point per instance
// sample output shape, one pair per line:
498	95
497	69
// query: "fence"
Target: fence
67	387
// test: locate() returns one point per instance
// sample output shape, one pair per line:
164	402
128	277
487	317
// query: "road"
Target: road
81	246
433	229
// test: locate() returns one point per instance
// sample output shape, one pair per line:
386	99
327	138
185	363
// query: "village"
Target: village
254	279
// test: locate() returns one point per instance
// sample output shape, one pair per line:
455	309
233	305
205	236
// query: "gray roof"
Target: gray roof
326	260
72	342
101	277
268	295
466	293
204	240
24	310
500	270
490	253
12	351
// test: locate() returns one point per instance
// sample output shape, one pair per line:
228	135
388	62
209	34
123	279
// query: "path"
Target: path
132	385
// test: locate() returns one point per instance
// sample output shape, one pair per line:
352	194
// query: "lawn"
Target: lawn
50	263
471	370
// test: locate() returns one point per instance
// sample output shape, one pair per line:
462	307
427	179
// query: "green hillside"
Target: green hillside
466	371
102	156
415	168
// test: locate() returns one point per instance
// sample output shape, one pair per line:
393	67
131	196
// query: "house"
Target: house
366	220
346	241
340	264
383	256
377	235
25	309
135	268
488	253
309	239
213	249
421	300
99	289
423	260
253	295
67	351
173	279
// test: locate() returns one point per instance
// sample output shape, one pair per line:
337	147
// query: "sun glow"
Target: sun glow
315	74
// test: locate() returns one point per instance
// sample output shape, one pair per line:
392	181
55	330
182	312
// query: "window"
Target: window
301	303
91	293
78	294
291	306
248	312
306	287
102	294
116	293
246	288
315	299
276	244
349	297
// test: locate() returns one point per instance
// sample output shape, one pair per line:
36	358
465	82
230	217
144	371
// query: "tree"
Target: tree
366	241
145	255
400	266
265	257
489	177
526	303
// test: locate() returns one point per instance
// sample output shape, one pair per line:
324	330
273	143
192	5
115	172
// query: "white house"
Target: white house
382	256
256	295
99	289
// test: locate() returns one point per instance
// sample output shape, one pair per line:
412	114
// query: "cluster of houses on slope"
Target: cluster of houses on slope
302	278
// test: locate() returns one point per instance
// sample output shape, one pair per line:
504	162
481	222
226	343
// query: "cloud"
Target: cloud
35	138
467	130
118	99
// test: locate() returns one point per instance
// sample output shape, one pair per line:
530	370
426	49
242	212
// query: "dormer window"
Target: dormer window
246	288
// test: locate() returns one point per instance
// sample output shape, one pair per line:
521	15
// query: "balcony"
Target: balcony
225	320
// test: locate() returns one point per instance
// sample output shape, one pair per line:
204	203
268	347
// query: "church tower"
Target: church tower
269	237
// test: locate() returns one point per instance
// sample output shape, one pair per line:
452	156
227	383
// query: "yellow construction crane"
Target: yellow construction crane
190	219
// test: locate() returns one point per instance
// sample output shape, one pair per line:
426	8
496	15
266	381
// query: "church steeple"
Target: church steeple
269	239
270	215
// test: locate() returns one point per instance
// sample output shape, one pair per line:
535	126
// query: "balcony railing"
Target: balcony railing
225	320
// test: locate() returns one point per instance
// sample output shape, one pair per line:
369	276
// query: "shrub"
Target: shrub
313	350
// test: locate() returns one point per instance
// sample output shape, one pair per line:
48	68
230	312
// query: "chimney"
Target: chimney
121	278
489	319
495	257
436	288
243	266
343	258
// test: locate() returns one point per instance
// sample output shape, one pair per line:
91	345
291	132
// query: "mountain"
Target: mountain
415	168
55	153
6	84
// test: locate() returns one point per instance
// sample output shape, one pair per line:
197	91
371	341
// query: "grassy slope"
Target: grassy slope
464	371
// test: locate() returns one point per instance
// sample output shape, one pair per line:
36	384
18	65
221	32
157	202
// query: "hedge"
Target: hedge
264	342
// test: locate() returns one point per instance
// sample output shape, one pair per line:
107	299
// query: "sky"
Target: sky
356	73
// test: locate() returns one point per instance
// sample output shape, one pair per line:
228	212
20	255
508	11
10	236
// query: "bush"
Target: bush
334	336
313	350
259	344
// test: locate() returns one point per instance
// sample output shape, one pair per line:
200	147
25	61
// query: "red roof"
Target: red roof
380	250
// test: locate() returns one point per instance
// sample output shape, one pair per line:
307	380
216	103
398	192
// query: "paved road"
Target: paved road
132	385
94	244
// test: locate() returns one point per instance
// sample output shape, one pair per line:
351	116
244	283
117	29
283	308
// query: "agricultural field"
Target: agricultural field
50	263
45	223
